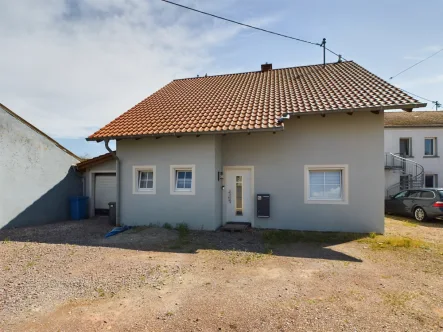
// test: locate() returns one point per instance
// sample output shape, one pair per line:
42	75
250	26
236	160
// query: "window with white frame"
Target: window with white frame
430	146
144	180
182	179
326	184
431	181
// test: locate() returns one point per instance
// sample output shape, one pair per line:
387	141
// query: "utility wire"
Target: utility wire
243	24
304	41
416	64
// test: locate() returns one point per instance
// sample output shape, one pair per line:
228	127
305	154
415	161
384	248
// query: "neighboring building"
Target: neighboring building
417	138
100	183
294	148
37	176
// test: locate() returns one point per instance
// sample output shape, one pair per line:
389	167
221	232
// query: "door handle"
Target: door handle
229	196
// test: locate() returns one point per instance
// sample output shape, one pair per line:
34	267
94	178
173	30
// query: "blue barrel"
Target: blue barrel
79	207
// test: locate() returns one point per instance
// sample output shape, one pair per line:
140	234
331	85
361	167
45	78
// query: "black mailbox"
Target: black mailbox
263	205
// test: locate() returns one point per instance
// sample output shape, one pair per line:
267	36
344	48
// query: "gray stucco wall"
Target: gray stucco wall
36	177
198	211
279	161
106	167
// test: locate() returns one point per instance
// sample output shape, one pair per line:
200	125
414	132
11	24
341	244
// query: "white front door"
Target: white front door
238	195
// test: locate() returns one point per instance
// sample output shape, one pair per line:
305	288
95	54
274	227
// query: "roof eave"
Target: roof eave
363	109
218	132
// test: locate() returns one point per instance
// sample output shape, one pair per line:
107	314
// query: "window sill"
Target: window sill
431	156
326	201
178	192
144	192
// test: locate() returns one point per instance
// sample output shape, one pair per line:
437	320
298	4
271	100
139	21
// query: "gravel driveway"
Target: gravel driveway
67	277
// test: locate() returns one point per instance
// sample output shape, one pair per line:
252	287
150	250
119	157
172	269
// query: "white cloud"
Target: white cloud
71	67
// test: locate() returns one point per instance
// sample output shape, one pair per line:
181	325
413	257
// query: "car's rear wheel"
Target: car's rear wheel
419	214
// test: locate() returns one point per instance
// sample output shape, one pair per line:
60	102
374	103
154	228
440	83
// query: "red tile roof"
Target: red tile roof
255	100
88	163
415	119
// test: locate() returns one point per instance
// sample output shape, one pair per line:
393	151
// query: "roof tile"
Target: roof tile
254	100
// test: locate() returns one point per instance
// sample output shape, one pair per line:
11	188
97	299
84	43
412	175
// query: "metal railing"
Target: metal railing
412	173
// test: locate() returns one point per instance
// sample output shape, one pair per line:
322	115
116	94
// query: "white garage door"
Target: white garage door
105	190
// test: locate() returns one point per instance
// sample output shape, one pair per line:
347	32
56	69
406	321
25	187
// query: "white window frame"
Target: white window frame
344	184
177	191
144	191
409	146
434	145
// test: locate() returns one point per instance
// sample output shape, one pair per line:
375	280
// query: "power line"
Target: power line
322	44
416	64
243	24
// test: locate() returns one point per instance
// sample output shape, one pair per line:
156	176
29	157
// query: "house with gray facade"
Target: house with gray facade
37	174
293	148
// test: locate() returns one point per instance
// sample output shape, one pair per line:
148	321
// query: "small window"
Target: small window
182	179
144	179
326	184
402	194
414	194
427	194
430	180
406	147
430	146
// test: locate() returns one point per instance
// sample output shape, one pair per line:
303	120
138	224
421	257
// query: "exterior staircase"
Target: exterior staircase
412	174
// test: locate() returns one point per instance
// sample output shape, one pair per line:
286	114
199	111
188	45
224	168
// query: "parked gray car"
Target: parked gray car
421	204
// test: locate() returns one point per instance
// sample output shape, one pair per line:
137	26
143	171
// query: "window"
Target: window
182	179
430	180
406	147
144	179
326	184
427	194
430	146
414	194
402	194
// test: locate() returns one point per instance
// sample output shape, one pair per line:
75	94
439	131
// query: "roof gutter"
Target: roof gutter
117	172
405	107
221	132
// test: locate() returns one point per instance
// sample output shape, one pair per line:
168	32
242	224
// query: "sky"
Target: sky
70	67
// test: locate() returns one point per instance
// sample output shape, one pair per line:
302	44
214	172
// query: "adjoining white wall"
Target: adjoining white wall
36	176
279	160
432	165
199	211
89	176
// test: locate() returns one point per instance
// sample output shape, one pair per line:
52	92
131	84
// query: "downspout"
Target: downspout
117	171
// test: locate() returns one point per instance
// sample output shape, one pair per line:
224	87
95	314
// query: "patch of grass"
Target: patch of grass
167	225
169	314
409	223
30	264
6	240
101	292
183	230
372	235
7	268
393	241
397	300
243	257
288	236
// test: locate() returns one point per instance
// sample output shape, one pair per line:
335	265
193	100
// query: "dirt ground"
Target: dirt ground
67	277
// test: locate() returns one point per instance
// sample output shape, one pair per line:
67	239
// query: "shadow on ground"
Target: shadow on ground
91	233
